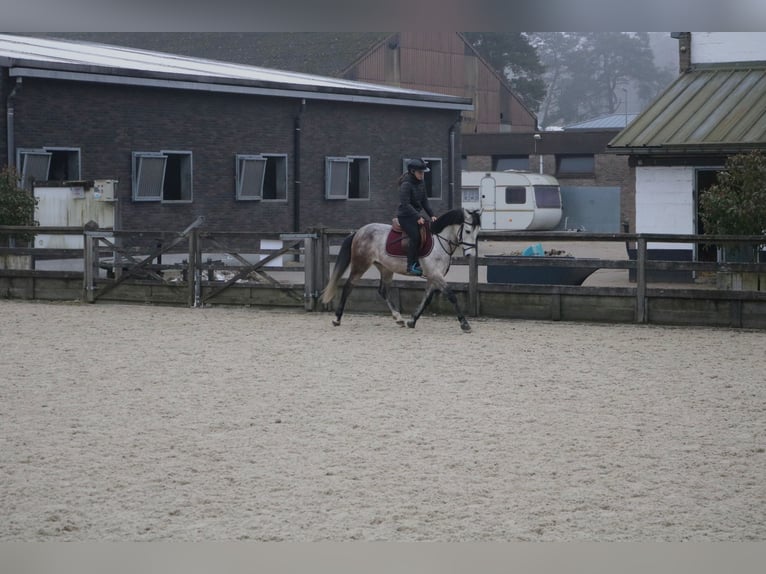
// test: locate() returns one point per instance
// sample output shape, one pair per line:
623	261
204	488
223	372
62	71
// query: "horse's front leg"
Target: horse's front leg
460	317
431	290
433	287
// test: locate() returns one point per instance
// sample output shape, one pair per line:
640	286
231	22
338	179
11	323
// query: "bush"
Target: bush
736	204
17	206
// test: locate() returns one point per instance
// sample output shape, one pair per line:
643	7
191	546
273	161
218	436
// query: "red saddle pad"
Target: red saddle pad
397	241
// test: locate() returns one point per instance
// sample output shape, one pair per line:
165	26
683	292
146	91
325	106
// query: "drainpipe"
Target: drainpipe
297	168
10	139
452	164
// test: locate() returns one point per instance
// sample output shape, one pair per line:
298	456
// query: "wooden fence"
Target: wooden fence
196	267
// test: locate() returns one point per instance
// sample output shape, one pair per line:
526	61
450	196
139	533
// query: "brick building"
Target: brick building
248	148
442	62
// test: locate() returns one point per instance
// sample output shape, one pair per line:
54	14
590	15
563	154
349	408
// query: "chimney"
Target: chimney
684	50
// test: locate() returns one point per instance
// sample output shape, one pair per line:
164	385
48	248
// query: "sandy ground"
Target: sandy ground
152	423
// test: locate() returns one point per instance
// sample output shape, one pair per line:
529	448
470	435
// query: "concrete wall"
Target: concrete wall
712	47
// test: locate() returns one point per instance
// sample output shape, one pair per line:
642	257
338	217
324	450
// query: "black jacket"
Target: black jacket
412	197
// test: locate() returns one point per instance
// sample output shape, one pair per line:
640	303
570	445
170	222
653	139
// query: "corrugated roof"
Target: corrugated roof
610	122
711	108
321	53
83	60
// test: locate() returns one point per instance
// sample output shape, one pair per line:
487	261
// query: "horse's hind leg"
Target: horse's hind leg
384	290
356	273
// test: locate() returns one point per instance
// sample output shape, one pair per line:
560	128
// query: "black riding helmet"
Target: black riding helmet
417	165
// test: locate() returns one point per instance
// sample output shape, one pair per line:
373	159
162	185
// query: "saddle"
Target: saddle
397	240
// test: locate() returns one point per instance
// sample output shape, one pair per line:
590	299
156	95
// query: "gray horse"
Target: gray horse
367	246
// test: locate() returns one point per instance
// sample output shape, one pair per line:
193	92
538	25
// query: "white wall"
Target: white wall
665	202
710	47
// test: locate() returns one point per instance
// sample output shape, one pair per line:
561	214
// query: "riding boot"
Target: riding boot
410	226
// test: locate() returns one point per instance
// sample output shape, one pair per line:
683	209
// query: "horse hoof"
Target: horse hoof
411	324
336	323
466	327
400	322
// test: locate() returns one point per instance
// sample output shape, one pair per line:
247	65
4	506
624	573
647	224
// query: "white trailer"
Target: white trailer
513	200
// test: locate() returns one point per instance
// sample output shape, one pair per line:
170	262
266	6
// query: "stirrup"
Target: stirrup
415	269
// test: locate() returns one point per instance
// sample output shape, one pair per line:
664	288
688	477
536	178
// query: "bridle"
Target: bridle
453	245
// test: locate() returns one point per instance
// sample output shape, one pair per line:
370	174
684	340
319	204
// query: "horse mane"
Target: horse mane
453	217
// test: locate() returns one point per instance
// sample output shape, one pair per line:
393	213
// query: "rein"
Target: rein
453	245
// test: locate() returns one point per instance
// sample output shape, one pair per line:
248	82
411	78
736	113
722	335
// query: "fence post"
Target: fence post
641	311
311	270
473	284
324	262
89	281
192	273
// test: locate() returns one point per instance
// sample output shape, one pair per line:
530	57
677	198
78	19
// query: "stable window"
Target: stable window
162	176
515	195
514	162
575	164
48	164
262	176
347	177
433	178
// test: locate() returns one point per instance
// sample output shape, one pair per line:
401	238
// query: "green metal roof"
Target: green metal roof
713	108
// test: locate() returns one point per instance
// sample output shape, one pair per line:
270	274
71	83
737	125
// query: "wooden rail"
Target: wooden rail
148	257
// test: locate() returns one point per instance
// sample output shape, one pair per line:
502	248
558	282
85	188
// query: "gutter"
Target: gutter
97	78
297	128
10	132
452	162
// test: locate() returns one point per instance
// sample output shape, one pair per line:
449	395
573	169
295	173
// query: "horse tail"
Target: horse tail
341	264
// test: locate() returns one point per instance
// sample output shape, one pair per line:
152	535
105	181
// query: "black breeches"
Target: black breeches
410	226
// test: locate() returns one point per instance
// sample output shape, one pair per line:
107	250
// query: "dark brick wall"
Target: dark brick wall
4	91
110	122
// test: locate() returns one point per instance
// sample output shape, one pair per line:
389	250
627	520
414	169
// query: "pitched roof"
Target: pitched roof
712	108
609	122
28	56
321	53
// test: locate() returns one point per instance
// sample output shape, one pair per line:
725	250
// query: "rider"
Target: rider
413	198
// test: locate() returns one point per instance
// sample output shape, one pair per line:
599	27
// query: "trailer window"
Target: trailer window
515	195
470	194
547	196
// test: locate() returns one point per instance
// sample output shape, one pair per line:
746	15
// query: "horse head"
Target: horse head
469	231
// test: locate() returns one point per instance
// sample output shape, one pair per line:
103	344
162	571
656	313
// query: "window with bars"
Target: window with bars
48	164
347	177
164	176
261	177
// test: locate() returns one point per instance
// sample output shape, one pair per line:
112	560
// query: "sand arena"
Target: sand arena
153	423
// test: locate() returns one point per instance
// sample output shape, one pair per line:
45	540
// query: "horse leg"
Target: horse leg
384	290
430	292
347	288
464	325
435	285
